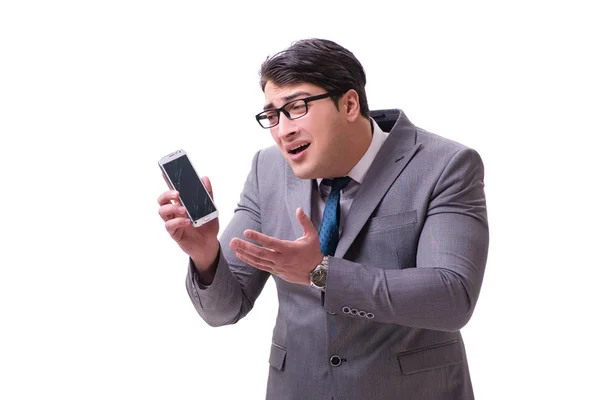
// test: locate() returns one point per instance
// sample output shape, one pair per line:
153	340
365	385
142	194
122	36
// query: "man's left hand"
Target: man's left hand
290	260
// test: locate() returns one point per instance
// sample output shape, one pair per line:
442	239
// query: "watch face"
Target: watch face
319	277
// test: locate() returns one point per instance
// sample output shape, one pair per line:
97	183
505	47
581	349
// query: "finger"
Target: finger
170	211
265	240
248	249
168	197
255	262
175	224
305	223
208	186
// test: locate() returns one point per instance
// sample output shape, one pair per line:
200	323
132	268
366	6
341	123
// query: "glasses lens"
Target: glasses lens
268	119
296	109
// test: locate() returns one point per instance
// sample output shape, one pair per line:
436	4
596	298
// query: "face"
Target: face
314	144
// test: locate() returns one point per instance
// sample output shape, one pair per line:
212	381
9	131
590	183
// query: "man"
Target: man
376	237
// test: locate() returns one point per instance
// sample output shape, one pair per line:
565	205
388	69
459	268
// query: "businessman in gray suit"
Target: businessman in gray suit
375	232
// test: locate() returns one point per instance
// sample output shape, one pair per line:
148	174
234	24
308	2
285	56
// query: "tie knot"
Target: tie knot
337	184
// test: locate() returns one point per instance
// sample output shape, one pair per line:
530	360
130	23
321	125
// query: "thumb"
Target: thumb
208	186
305	223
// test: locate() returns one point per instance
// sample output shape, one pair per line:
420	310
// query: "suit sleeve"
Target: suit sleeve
441	292
236	285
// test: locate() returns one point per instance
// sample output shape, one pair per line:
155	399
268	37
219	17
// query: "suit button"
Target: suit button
331	312
335	361
346	310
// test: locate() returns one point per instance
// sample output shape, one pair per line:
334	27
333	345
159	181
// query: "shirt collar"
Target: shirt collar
358	172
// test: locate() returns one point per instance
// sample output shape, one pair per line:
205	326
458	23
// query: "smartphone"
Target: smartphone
181	176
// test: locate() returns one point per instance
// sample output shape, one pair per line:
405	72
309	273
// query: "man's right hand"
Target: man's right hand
199	243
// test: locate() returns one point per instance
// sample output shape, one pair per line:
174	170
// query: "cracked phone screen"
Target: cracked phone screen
191	192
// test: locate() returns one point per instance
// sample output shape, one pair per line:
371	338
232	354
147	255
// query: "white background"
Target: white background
92	94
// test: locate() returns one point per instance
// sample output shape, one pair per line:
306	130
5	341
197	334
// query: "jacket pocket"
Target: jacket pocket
437	356
277	357
385	222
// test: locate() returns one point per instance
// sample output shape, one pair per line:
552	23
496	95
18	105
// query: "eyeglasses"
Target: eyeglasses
293	110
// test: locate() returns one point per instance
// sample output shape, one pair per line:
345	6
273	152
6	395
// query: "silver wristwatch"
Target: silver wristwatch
318	276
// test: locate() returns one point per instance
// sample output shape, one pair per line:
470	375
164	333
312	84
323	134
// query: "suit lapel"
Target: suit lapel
297	194
396	152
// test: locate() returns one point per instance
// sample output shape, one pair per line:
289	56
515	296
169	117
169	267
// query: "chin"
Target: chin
303	172
300	173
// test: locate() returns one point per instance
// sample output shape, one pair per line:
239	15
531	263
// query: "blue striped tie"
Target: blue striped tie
330	225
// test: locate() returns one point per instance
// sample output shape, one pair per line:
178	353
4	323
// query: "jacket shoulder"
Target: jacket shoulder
270	160
432	140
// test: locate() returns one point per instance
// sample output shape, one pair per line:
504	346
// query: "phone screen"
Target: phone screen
191	191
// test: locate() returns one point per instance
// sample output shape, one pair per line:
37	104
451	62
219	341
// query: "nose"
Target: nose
286	127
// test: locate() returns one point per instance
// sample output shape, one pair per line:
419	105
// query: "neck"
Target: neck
360	135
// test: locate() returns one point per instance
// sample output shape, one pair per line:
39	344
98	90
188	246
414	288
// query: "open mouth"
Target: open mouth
299	149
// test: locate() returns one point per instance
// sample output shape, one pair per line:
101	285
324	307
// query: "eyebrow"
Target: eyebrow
287	98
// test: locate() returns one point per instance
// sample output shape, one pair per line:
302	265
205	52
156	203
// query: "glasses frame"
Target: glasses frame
287	114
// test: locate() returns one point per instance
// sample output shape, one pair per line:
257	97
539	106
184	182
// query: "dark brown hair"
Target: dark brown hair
321	62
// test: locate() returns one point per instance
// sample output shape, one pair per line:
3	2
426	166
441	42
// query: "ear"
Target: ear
352	105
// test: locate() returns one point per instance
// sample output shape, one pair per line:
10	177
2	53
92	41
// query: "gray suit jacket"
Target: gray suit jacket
405	277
